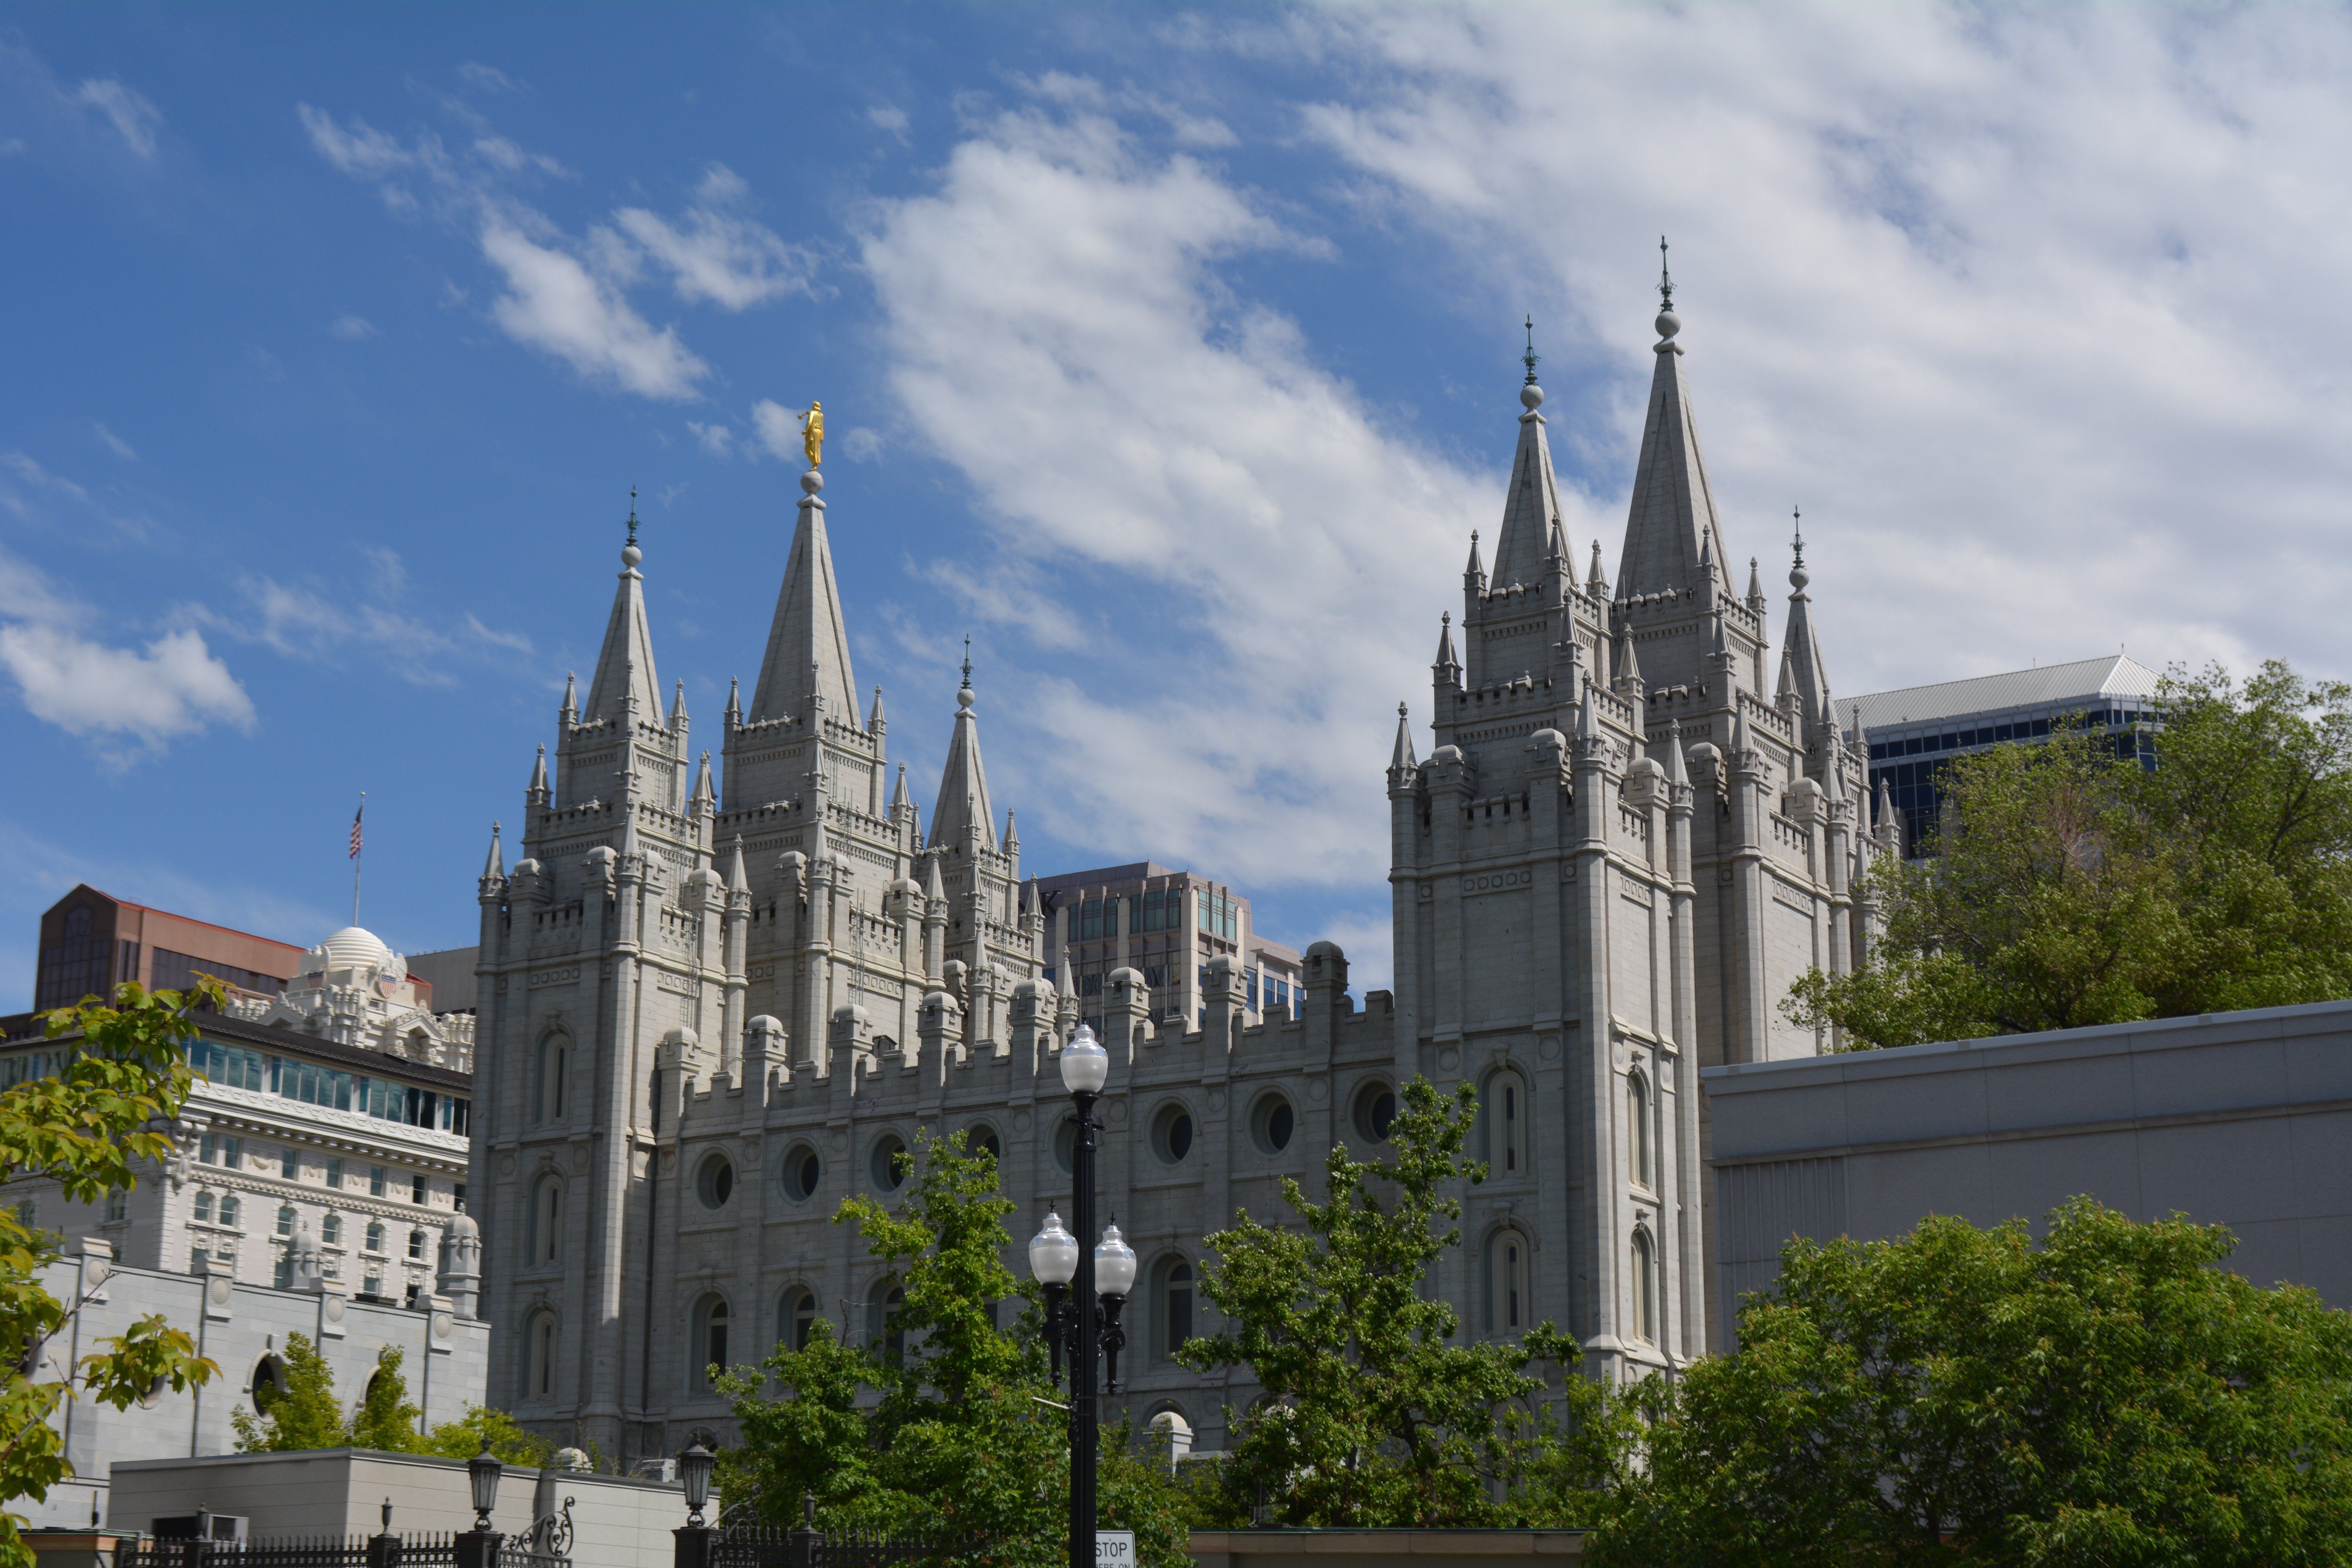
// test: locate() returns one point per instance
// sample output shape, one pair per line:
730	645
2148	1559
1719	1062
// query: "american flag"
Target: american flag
355	826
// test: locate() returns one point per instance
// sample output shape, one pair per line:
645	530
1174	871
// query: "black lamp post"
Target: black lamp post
697	1539
1101	1278
478	1547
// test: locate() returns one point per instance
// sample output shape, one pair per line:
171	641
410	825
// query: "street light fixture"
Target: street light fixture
478	1547
694	1468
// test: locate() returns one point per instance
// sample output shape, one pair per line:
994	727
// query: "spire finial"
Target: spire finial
1530	356
966	661
1797	576
630	553
1665	278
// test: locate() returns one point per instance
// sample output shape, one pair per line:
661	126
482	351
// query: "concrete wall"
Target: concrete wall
617	1522
2236	1119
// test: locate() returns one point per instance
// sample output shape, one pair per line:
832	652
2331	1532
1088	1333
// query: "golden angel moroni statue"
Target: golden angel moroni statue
813	433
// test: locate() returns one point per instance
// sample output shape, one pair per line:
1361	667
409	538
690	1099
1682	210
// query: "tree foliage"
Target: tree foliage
463	1438
953	1429
2070	888
2109	1395
307	1414
1372	1414
303	1414
87	1130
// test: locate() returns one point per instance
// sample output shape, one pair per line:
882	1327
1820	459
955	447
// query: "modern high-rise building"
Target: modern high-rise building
92	941
1916	732
1167	925
713	1004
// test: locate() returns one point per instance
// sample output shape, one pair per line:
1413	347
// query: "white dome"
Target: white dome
351	948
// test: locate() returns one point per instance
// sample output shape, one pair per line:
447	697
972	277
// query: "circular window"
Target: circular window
802	1171
714	1181
1376	1109
1272	1123
1066	1145
1172	1133
886	1165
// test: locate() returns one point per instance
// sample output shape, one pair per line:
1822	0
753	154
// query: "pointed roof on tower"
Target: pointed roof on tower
963	782
1532	504
1804	652
1402	759
625	669
494	869
736	882
808	646
1445	659
538	771
1671	523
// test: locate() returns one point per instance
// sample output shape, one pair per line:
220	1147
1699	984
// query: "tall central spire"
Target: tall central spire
1533	504
1672	522
808	647
963	782
625	669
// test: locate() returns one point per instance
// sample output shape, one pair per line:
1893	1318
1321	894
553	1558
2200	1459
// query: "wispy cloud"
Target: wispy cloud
554	303
115	444
486	78
36	494
313	618
716	255
353	329
133	117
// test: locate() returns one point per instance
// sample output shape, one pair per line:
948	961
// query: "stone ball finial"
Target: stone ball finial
963	698
631	555
1799	577
1668	325
811	483
1531	396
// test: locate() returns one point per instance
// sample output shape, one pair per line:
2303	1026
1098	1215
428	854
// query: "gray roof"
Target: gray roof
2045	686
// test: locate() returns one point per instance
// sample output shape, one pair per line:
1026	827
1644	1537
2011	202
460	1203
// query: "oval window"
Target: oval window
714	1181
1272	1123
1376	1109
887	1164
1172	1133
1066	1145
802	1173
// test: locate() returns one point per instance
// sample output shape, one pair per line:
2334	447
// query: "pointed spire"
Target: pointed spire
734	702
1785	694
624	680
1401	759
1672	522
737	881
1596	584
1629	666
571	708
1445	659
808	644
678	707
1475	568
1885	804
704	797
1706	559
538	785
1755	585
933	888
494	869
1739	741
1587	716
963	782
1811	676
1012	834
1678	769
899	800
1533	501
874	719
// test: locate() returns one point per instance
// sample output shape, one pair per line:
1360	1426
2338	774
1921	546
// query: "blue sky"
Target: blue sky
1170	354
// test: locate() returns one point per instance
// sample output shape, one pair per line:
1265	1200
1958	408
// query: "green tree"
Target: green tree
88	1130
957	1429
304	1414
2110	1396
1371	1413
2070	888
463	1438
385	1418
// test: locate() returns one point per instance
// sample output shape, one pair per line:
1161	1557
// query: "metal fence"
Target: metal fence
772	1546
437	1551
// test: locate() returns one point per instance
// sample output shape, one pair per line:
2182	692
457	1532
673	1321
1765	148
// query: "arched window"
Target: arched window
554	1070
417	1245
1646	1289
544	1243
331	1230
1175	1306
286	1219
228	1209
710	1347
204	1208
1637	1127
376	1235
879	1301
1504	1112
1509	1309
540	1368
795	1315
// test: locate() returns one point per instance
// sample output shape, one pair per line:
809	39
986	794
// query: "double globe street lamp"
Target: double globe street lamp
1087	1324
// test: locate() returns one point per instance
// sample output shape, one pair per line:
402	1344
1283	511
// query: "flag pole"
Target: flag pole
356	842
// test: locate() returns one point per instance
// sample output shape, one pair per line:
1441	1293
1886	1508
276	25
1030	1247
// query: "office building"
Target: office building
1167	925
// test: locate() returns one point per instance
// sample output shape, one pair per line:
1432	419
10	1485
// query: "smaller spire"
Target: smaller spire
1785	695
1740	731
899	800
874	721
1445	659
1558	550
1755	585
678	707
1629	667
538	785
704	797
1595	584
1885	804
1678	770
1474	567
494	869
1587	716
571	706
1401	759
1012	834
734	702
1706	556
737	881
933	888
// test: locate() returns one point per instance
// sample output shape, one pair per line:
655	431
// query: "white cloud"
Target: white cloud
1996	295
554	303
176	687
486	78
883	117
719	255
134	117
778	428
363	151
861	445
716	439
313	619
353	329
115	444
1057	330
